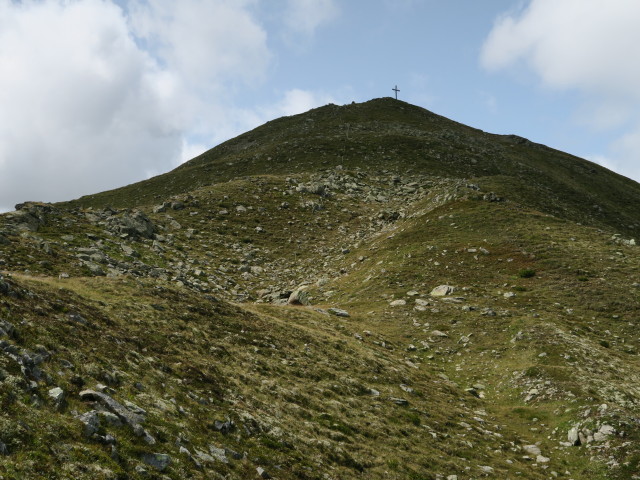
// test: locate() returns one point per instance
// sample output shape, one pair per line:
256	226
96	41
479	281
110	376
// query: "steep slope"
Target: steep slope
159	342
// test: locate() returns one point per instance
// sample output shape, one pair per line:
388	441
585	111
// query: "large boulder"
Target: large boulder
135	225
29	216
299	296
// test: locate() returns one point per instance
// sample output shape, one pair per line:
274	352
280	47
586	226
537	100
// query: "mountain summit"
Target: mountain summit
368	290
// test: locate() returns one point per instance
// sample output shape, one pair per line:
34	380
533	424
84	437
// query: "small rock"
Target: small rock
602	434
442	290
573	436
399	401
438	333
338	312
159	461
541	459
532	449
262	473
218	453
299	297
57	394
398	303
224	427
111	419
91	422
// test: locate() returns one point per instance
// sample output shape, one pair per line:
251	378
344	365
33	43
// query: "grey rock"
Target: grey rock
233	454
262	473
126	415
91	422
3	449
398	303
218	453
224	427
58	396
338	312
4	287
399	401
111	419
573	436
7	328
201	456
159	461
136	225
129	251
532	449
95	269
139	431
299	297
438	333
603	432
442	290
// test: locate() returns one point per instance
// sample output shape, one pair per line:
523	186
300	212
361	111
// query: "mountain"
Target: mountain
359	291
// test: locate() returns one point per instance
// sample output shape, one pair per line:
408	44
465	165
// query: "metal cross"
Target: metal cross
396	90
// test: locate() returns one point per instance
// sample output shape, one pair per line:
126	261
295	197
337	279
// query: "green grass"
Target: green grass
313	394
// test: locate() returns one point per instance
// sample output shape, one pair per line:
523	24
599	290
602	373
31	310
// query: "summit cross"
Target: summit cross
396	90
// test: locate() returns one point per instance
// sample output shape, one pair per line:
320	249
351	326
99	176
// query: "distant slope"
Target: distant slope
386	134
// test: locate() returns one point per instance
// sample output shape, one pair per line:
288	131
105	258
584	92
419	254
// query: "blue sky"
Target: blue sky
95	94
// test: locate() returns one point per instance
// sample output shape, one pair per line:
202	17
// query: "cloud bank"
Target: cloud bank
96	94
582	45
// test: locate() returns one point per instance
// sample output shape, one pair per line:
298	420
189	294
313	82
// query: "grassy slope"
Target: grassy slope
297	382
396	135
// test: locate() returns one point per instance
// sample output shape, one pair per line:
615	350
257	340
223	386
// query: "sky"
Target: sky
97	94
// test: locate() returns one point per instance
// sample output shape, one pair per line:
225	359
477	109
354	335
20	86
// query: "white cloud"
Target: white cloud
627	152
582	45
80	108
297	101
305	16
238	120
94	96
587	44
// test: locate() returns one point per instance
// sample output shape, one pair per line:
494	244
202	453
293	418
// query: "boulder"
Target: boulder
159	461
126	415
136	225
574	436
299	296
442	290
58	396
532	449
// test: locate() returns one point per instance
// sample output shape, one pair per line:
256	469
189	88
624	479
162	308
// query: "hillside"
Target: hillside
360	291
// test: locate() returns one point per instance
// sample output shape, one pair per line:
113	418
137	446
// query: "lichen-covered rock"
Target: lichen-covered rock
136	225
159	461
442	290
